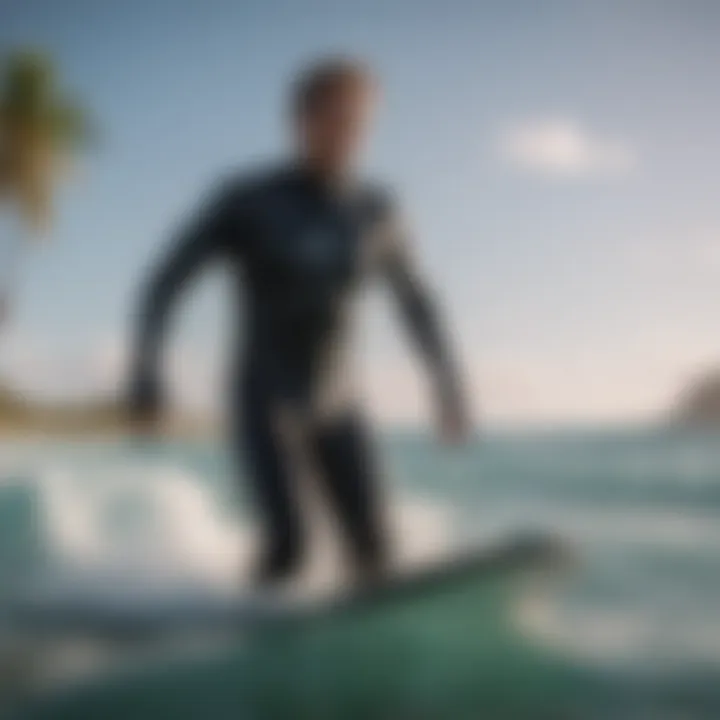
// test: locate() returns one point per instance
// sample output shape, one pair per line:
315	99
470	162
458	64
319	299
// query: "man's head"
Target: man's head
332	105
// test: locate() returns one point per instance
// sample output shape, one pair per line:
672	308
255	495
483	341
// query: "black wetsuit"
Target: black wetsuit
299	251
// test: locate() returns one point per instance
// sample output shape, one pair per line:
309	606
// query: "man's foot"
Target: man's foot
275	570
370	573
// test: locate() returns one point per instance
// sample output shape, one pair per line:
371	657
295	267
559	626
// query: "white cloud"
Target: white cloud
563	147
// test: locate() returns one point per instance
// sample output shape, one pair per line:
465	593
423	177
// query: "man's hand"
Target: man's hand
144	404
454	425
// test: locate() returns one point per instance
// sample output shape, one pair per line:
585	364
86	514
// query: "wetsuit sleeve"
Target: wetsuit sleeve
419	311
200	240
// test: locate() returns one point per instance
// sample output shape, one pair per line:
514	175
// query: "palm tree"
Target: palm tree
41	128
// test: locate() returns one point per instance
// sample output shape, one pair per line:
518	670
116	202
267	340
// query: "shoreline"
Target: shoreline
37	433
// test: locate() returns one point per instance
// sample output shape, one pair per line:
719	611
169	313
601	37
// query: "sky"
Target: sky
559	162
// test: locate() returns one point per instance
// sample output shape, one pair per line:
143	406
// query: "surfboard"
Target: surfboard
132	614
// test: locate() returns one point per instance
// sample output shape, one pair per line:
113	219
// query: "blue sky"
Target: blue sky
559	162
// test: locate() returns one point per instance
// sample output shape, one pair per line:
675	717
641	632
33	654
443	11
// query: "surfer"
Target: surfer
300	241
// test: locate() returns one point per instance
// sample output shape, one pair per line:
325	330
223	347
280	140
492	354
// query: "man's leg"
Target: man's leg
270	473
348	473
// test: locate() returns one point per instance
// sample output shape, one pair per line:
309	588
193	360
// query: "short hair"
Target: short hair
324	78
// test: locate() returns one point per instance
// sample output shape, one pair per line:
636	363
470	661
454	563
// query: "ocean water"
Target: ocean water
631	630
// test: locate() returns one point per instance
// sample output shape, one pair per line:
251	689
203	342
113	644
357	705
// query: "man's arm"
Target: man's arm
419	313
198	242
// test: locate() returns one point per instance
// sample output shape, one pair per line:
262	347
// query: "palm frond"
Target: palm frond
28	85
41	127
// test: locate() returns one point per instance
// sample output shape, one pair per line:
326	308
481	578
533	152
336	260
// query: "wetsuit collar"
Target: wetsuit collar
321	183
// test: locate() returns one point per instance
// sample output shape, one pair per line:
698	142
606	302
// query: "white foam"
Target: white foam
128	530
629	634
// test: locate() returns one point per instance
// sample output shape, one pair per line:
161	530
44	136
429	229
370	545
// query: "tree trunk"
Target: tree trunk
12	253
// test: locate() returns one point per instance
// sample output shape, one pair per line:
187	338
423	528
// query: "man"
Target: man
300	240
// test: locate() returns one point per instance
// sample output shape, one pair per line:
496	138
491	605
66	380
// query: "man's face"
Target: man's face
332	133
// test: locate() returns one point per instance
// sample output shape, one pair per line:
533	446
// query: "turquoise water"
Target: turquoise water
632	631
